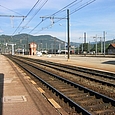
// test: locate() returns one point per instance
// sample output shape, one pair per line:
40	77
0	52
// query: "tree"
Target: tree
83	47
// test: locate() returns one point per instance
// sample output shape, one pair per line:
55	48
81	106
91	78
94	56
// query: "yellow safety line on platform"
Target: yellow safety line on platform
33	82
21	71
54	103
41	90
27	77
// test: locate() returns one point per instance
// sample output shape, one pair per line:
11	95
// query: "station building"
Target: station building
111	49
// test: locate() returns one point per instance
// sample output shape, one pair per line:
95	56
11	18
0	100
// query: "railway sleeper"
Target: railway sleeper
62	87
105	112
91	102
74	96
102	106
84	98
73	90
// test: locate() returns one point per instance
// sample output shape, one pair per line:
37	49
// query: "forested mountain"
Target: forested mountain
42	41
45	42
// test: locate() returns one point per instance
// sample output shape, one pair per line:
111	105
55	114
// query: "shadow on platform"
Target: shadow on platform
1	91
109	62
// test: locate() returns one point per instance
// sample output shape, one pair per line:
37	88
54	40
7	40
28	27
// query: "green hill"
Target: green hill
42	41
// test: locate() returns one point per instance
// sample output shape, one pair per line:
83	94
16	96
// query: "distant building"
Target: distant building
32	48
111	49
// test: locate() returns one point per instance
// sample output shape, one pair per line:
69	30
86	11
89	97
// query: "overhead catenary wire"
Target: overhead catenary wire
26	16
82	6
11	10
62	9
35	13
65	7
18	16
64	17
75	4
11	16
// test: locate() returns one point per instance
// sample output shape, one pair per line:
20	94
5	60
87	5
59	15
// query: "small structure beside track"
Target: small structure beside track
32	48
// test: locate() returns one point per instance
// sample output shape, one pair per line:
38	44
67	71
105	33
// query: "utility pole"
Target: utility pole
101	44
27	45
104	42
95	44
68	45
68	34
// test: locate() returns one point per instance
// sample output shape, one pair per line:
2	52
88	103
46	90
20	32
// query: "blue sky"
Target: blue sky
93	19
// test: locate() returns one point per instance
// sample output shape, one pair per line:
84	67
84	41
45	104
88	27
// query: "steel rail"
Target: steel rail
82	69
98	95
83	76
78	108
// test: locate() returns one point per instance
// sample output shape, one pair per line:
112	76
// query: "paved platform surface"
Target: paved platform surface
15	99
101	63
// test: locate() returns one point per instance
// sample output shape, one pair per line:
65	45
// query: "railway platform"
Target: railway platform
104	63
17	98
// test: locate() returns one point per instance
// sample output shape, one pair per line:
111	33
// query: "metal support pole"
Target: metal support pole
104	42
96	46
101	45
68	34
82	48
27	45
78	48
12	49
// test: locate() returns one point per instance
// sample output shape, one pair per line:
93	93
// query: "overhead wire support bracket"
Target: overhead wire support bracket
12	16
52	17
68	36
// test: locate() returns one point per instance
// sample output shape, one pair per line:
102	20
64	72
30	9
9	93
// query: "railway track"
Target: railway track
100	81
82	99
